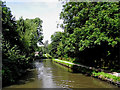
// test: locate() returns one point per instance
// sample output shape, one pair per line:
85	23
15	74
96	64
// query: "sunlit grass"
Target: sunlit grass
106	75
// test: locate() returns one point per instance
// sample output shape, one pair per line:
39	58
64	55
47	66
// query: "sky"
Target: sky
46	10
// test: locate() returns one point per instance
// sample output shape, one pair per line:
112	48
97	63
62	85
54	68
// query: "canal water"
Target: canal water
48	74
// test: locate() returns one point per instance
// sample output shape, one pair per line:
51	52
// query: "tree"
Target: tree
55	38
92	32
30	32
19	41
8	25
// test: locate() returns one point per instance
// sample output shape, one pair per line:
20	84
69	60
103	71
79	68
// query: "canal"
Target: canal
48	74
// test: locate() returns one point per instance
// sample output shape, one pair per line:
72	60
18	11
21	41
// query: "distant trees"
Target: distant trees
18	45
55	38
91	37
30	33
91	33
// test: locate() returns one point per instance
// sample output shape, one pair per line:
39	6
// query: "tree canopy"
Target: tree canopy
19	43
91	33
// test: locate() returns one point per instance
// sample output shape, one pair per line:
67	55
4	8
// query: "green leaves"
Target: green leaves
19	42
30	32
90	31
114	43
76	19
106	75
98	26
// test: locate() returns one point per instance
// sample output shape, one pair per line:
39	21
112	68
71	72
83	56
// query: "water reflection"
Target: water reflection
50	75
39	68
44	74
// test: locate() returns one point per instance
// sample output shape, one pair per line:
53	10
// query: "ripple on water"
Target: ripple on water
49	75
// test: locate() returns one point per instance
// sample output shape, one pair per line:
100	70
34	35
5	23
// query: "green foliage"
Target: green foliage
55	38
68	59
48	56
69	64
44	48
19	42
91	34
30	33
106	75
8	25
14	64
92	23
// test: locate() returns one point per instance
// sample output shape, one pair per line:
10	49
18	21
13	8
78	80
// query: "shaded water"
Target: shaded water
51	75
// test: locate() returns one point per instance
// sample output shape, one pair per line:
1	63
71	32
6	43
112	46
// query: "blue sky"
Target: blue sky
46	10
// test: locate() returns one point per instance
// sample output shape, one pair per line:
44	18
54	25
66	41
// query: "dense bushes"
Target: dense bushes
91	34
18	45
14	63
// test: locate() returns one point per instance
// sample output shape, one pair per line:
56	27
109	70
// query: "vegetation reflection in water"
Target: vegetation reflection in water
90	37
51	75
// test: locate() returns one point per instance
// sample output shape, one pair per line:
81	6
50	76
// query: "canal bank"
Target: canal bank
49	74
90	71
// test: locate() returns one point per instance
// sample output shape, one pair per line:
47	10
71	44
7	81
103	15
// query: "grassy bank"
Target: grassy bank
90	71
64	63
106	76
